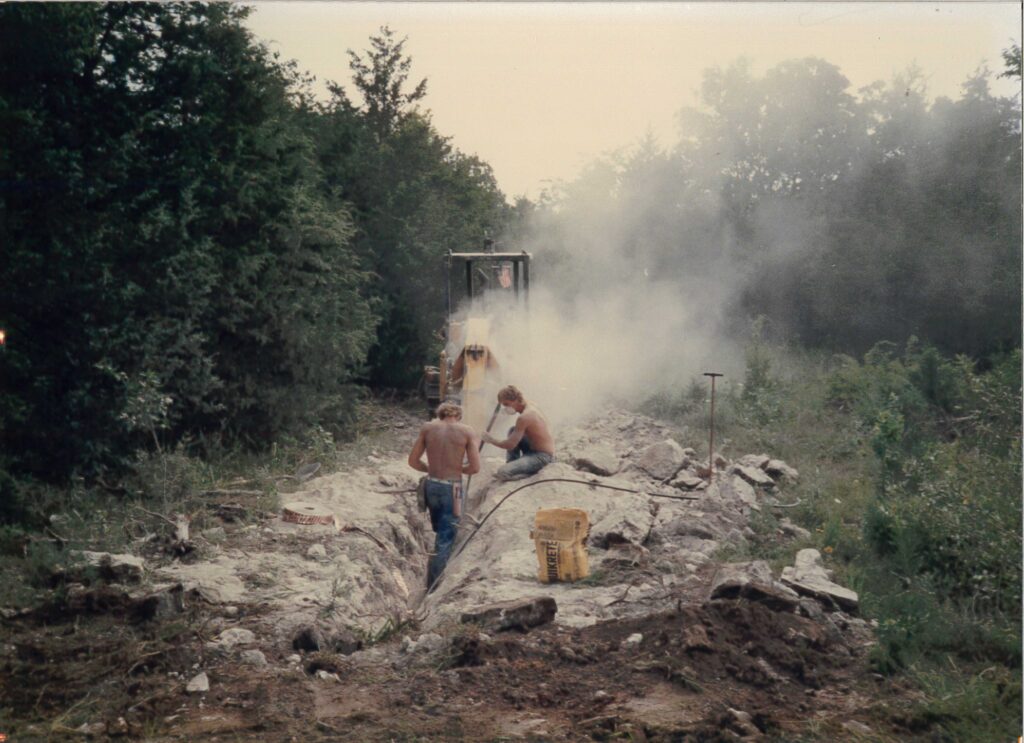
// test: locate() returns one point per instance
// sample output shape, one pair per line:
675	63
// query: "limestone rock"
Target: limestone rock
253	658
599	460
810	578
757	461
744	723
632	642
753	475
780	470
110	567
792	530
216	582
519	614
629	521
753	581
199	684
688	481
695	637
235	636
428	642
734	491
662	460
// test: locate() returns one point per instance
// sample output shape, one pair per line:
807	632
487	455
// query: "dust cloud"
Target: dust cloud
614	339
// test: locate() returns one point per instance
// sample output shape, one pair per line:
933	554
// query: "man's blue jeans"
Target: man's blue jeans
441	496
523	461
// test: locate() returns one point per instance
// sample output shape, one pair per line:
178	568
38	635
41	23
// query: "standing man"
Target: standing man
447	443
529	444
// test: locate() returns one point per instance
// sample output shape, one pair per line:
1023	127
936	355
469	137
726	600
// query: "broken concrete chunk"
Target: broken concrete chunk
662	460
810	578
780	470
753	581
316	552
518	614
753	475
599	460
198	684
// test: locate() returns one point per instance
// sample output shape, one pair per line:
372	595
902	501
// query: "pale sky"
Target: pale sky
538	90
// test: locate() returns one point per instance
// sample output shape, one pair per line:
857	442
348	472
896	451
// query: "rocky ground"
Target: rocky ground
286	631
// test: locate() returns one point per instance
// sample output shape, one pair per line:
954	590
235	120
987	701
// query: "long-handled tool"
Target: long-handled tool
469	479
711	426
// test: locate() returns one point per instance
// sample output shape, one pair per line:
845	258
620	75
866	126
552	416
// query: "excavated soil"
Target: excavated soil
639	651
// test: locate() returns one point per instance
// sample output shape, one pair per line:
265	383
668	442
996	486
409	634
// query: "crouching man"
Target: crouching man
529	444
452	450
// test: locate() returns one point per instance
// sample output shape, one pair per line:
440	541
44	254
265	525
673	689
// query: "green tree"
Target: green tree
380	77
414	198
167	231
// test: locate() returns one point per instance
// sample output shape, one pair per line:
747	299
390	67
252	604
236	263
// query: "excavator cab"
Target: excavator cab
468	372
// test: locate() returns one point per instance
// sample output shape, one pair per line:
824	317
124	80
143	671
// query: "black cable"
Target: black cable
508	495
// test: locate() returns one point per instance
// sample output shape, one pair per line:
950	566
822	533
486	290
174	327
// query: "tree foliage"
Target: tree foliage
192	245
844	217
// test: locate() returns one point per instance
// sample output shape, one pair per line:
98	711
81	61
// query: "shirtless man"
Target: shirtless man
530	445
447	443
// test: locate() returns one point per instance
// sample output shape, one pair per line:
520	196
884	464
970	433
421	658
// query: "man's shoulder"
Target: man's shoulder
466	429
532	414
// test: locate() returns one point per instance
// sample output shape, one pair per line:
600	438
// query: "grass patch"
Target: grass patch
910	474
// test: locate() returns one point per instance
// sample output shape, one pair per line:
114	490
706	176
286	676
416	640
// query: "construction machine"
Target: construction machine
468	371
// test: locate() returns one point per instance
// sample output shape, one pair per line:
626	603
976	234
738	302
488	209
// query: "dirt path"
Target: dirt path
318	632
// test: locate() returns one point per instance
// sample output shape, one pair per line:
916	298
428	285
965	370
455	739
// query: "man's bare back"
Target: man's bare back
447	444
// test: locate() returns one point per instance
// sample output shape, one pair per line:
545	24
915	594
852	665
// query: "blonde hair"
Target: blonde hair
448	410
510	393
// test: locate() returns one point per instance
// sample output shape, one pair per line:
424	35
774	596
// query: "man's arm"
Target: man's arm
472	454
513	440
416	455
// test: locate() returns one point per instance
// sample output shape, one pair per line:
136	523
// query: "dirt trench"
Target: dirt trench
322	632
